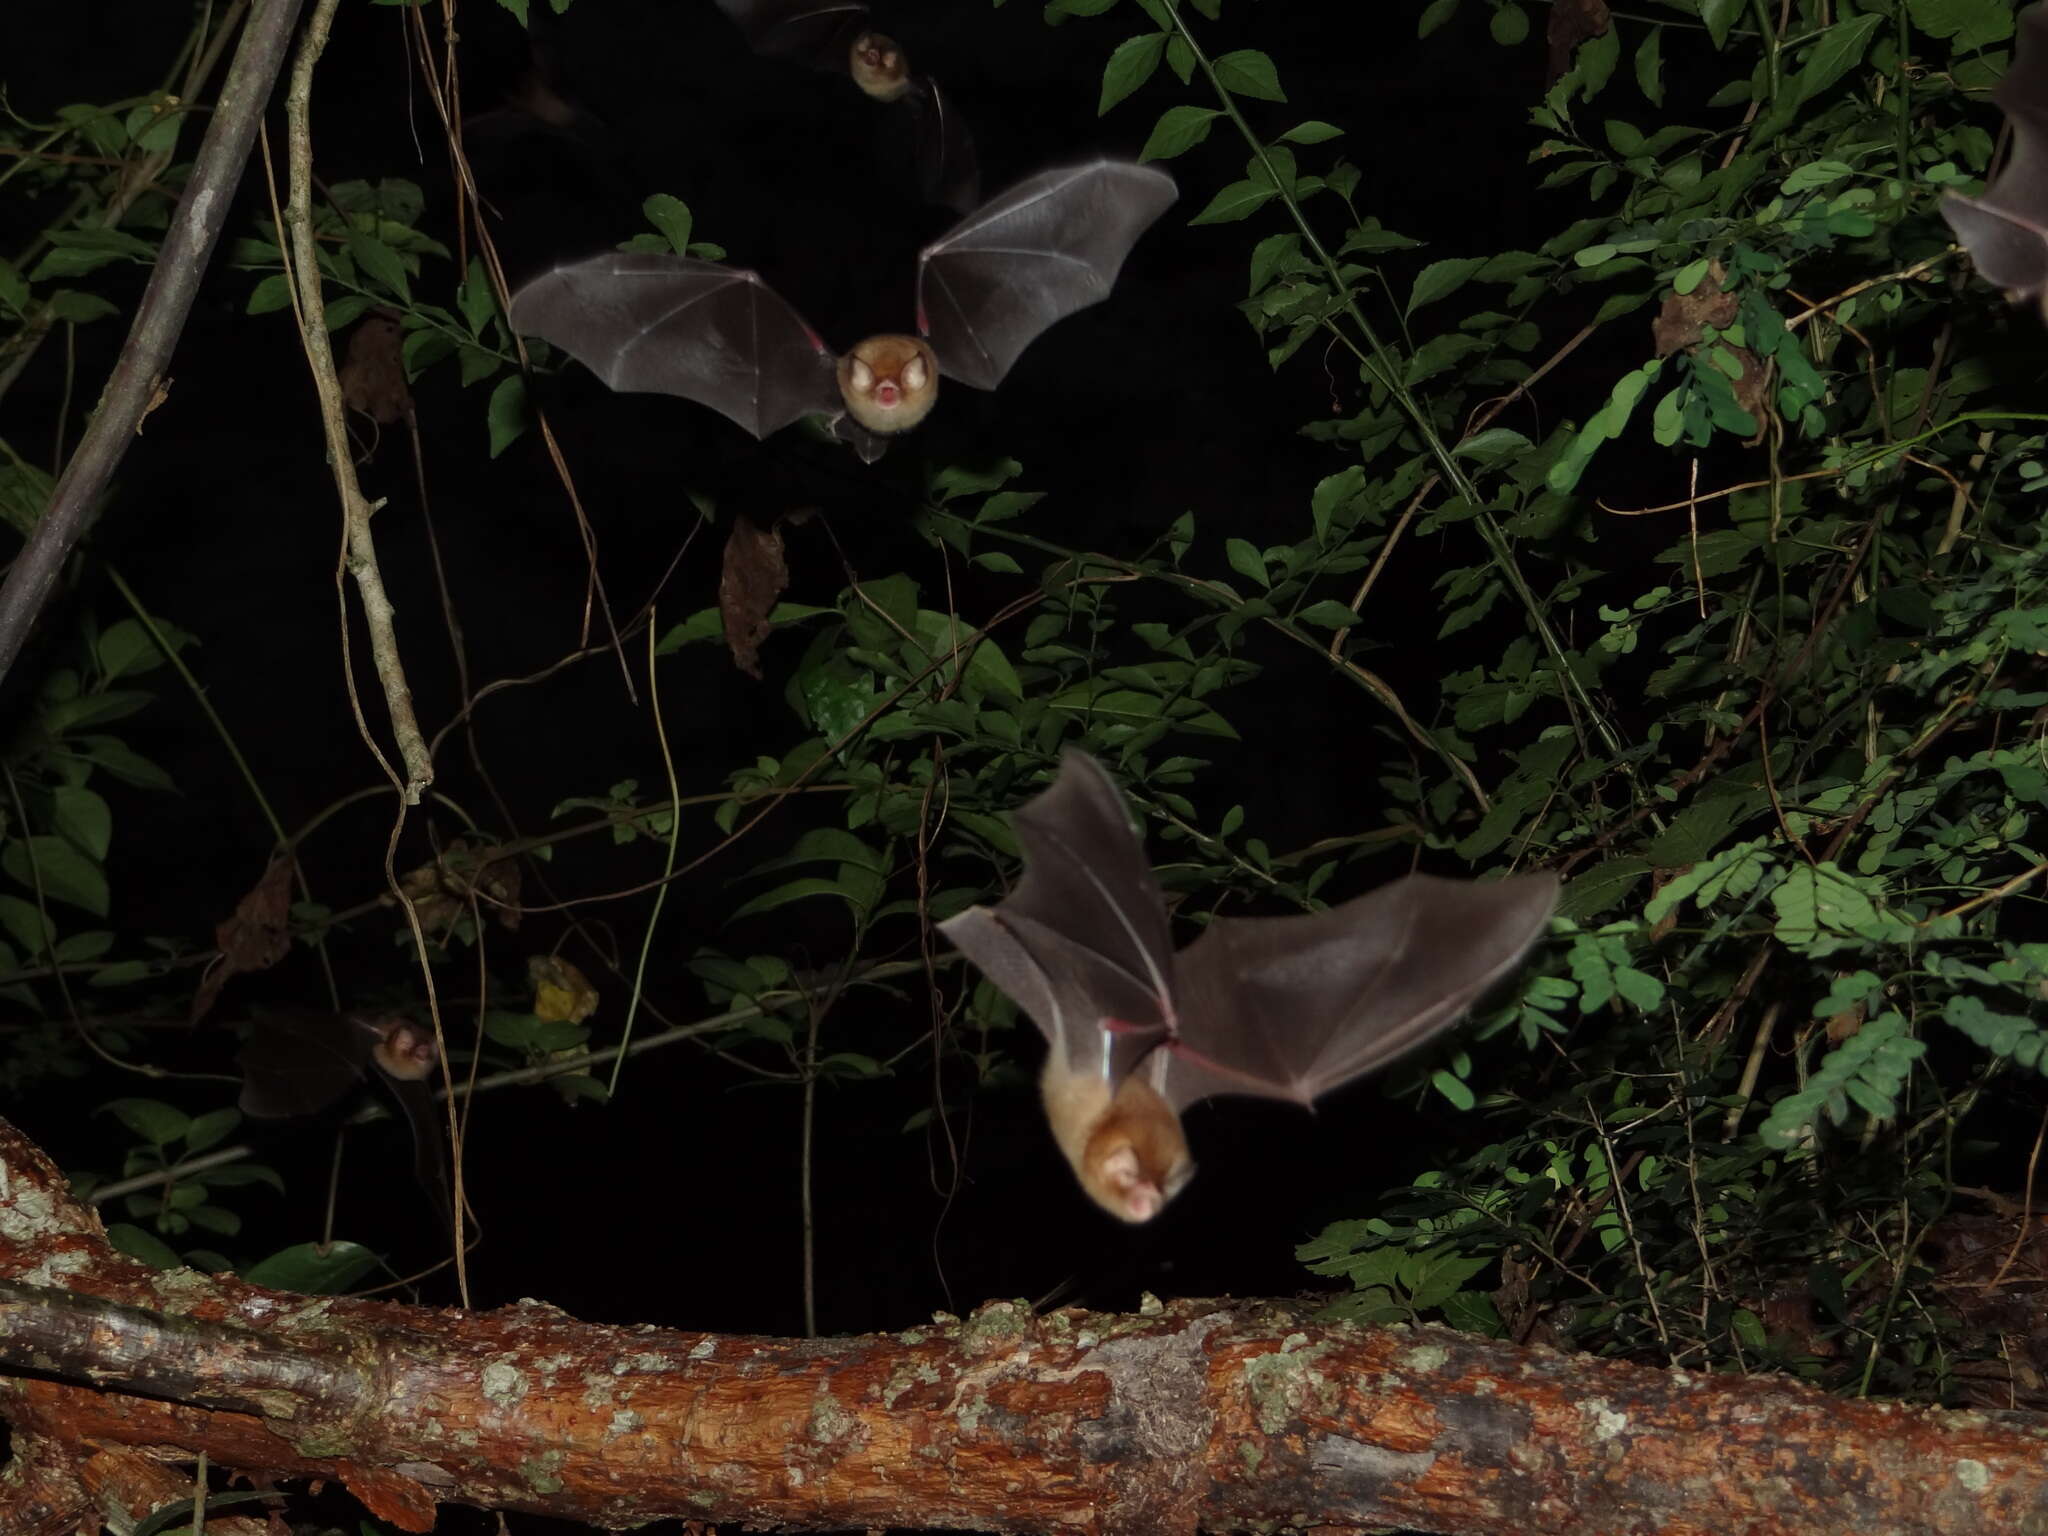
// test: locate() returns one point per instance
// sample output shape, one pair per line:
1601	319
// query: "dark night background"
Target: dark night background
678	1205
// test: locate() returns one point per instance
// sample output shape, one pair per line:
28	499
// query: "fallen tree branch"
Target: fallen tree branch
1196	1415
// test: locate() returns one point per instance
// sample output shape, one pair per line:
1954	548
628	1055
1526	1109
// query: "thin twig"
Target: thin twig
173	282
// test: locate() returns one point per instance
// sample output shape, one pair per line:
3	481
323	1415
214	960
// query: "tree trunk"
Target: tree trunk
1197	1415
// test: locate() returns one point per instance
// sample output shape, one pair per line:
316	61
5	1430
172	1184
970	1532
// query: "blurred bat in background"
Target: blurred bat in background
986	289
835	35
299	1063
2006	230
1279	1007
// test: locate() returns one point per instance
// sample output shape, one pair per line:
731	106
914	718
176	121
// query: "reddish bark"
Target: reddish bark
1200	1414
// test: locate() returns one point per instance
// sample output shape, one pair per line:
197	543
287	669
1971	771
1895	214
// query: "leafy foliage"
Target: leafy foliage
1750	648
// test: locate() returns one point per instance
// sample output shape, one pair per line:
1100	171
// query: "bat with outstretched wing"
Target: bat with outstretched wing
986	289
2006	230
299	1063
1280	1007
839	36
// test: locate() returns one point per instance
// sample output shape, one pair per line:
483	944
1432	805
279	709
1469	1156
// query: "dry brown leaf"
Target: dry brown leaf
1681	321
1571	23
373	377
440	892
254	938
753	580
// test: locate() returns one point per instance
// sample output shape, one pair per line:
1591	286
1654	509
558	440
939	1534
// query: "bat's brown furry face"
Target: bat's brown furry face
1136	1158
878	66
889	383
406	1052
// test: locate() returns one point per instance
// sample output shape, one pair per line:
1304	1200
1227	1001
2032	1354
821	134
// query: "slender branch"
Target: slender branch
378	613
138	381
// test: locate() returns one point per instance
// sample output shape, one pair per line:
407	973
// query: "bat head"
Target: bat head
889	383
402	1049
878	66
1136	1159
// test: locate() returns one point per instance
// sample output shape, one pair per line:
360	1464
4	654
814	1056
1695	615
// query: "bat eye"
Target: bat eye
914	373
863	376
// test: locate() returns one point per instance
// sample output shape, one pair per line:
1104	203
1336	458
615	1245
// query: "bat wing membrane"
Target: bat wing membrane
1291	1007
675	326
1082	941
819	33
1051	245
948	170
299	1063
2006	230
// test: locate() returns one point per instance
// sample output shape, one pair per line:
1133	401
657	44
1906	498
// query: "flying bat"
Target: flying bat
2006	230
836	36
1279	1007
300	1063
986	289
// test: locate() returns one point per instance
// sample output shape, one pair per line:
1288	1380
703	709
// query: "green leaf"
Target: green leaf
475	298
1313	131
1237	201
1870	1068
1720	16
313	1269
1434	15
1440	279
670	215
13	291
1839	50
1246	560
1134	62
129	767
1972	23
1248	72
83	817
1328	614
1650	67
143	1246
1452	1088
507	413
26	926
379	262
126	647
1510	25
1178	130
856	887
66	874
1607	424
273	293
155	1122
211	1128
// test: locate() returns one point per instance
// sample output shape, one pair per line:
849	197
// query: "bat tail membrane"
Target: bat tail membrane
670	325
1029	257
1291	1007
